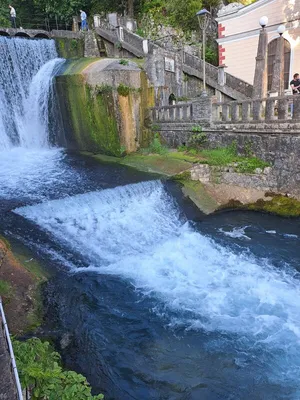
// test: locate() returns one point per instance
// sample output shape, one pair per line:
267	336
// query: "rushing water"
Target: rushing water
26	71
157	302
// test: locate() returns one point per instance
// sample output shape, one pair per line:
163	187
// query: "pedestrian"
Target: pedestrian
295	84
83	18
13	16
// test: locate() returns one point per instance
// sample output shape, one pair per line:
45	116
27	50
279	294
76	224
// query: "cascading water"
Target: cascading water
26	71
135	232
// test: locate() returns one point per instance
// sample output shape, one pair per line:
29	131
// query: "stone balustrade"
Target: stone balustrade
271	109
178	112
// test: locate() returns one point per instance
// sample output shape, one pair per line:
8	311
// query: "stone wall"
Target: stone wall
281	150
104	107
69	48
265	180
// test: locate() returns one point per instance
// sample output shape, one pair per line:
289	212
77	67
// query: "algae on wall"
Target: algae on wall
69	48
88	116
101	114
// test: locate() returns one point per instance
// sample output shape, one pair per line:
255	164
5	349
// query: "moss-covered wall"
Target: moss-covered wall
88	116
100	115
70	48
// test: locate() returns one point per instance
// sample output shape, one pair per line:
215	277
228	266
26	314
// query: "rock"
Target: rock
267	170
65	341
258	171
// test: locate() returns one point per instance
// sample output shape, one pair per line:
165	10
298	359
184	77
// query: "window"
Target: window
287	60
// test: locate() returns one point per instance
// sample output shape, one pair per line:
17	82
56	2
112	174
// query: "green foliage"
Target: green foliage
123	90
197	141
155	146
74	44
40	372
197	128
211	54
123	62
118	45
249	165
248	149
224	156
183	13
5	288
103	89
183	98
154	127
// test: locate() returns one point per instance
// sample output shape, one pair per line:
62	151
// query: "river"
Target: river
157	300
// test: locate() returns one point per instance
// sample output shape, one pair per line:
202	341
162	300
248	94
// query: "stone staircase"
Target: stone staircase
134	44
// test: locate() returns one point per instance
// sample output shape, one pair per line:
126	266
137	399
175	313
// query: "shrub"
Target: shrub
155	146
196	142
197	128
123	62
42	375
123	90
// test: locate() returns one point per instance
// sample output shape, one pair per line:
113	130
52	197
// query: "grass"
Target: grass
5	288
226	156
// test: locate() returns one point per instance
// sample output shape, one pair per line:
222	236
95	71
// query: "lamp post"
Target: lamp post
261	73
278	67
203	20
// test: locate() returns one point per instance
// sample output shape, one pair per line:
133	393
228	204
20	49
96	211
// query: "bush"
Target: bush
123	90
42	375
156	147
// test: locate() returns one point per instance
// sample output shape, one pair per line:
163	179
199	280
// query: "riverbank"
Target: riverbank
206	184
21	280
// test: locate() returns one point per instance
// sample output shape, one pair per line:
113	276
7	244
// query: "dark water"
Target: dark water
157	301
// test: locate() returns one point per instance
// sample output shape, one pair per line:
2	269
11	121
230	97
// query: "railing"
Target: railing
197	63
44	23
178	112
278	109
213	73
13	365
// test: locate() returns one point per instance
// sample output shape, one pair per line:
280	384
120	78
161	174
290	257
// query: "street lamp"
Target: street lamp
263	22
281	30
203	19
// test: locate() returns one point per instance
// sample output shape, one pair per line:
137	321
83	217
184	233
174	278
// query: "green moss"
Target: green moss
197	193
280	205
155	163
70	48
228	156
90	115
5	288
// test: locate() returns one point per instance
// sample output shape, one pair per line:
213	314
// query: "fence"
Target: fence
44	23
12	365
271	109
178	112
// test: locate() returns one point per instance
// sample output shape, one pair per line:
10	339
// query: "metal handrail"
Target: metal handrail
11	353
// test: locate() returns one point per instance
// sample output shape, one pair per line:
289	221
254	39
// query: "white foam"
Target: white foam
32	173
135	232
236	233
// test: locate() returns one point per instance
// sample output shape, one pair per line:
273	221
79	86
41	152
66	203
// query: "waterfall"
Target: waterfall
26	71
